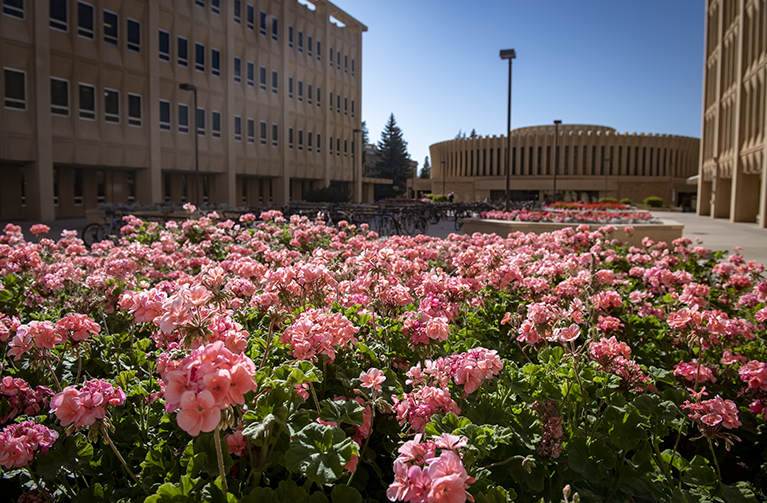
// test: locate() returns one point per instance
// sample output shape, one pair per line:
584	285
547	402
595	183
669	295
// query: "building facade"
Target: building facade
580	162
94	110
733	150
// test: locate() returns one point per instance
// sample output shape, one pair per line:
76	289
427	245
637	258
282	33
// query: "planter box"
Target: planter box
667	231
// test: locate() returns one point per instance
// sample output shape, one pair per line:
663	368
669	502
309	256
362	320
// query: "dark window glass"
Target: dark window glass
14	8
111	105
59	96
134	35
183	118
165	115
58	13
201	121
85	20
199	57
237	10
183	51
15	89
110	27
87	102
164	45
134	110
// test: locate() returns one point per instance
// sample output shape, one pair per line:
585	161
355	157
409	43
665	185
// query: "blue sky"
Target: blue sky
635	65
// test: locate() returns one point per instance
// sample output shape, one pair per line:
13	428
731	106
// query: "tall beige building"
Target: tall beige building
93	110
732	179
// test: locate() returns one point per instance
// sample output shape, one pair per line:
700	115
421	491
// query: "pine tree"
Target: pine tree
473	133
393	161
426	170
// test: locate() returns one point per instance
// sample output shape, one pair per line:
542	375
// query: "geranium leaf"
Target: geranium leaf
319	453
342	411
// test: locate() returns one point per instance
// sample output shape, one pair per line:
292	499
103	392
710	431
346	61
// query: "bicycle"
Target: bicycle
96	232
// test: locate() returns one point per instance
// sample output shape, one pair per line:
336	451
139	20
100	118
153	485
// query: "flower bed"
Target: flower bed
290	361
573	217
583	205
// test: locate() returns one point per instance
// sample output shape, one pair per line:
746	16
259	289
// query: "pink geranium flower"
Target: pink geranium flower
373	378
198	412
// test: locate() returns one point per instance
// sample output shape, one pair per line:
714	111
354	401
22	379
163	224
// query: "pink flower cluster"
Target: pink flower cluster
713	414
317	332
21	398
473	367
417	407
613	356
755	372
85	406
206	382
46	335
19	442
431	471
693	371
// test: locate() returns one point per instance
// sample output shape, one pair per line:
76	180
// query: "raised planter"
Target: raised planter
667	231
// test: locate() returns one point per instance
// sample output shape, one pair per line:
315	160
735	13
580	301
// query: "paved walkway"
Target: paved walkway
714	233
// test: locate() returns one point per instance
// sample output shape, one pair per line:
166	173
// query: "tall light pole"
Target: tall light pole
357	197
556	155
193	88
508	54
444	177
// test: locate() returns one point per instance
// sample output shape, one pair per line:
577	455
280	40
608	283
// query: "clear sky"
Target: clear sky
635	65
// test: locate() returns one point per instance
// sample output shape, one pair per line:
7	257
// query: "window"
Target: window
199	3
274	135
238	11
262	22
309	141
338	146
237	69
58	14
331	56
300	139
251	72
319	51
338	103
319	143
290	36
164	45
352	108
352	67
134	110
215	62
300	90
263	132
300	41
331	101
309	93
15	89
215	6
346	63
345	144
183	118
215	117
85	21
262	77
14	8
309	45
338	59
319	96
330	149
183	51
251	131
134	35
110	27
237	128
274	29
290	87
346	106
251	16
274	81
200	119
290	138
165	115
87	102
59	96
199	57
112	106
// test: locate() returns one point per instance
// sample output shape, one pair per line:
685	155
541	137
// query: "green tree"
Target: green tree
473	133
393	161
426	169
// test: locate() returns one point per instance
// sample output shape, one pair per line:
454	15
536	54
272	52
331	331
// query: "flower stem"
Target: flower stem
716	463
56	379
220	456
268	345
314	395
111	444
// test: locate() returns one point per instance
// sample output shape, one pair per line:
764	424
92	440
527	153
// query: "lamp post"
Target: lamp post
444	177
508	54
193	88
357	192
556	156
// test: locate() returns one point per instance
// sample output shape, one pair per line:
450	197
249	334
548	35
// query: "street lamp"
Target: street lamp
355	190
193	88
444	177
556	155
508	54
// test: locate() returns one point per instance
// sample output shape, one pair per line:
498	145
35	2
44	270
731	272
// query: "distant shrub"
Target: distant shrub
653	202
438	198
607	200
625	200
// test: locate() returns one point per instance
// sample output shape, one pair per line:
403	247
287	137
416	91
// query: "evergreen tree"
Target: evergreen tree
426	170
393	161
460	135
473	133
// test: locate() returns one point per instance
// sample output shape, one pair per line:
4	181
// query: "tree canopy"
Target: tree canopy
426	169
393	161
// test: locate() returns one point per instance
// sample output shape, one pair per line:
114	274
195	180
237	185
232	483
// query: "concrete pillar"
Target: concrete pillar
744	206
149	181
226	184
720	205
704	196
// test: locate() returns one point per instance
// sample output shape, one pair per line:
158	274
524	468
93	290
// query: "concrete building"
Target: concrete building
733	151
591	162
93	111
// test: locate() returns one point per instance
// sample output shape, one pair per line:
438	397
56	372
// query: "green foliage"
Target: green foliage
625	200
607	200
653	202
393	161
328	195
